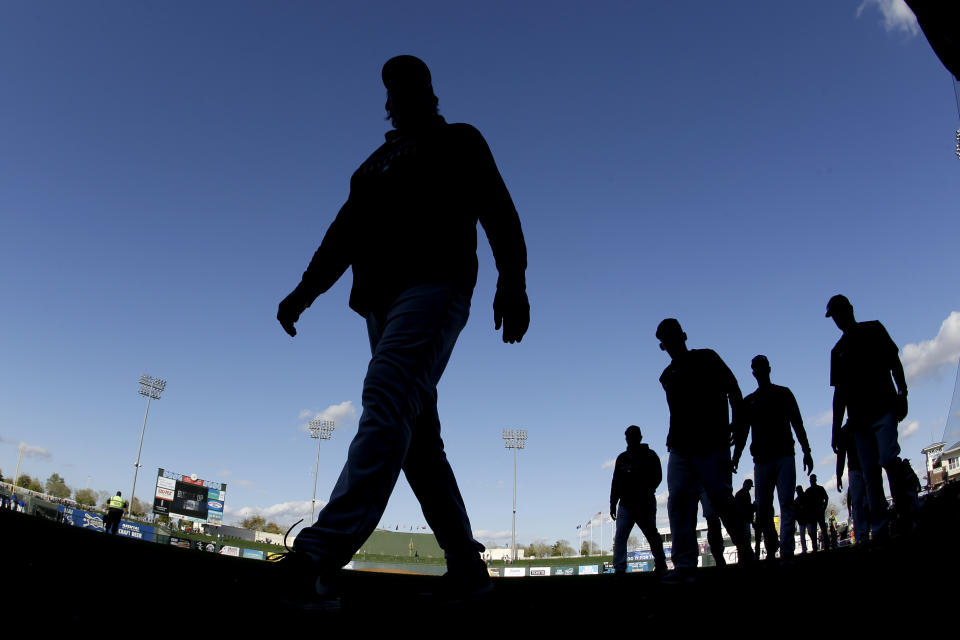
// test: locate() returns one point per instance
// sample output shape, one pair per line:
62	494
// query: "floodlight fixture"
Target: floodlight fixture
320	429
514	439
151	388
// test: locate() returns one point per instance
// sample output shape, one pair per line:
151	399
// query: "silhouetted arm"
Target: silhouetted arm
329	262
499	219
614	491
839	408
841	460
793	412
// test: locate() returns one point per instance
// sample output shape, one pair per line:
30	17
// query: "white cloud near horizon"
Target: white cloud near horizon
283	513
930	357
897	16
824	419
907	429
609	464
487	534
343	415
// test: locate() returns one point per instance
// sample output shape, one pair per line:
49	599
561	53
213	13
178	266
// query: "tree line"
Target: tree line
57	487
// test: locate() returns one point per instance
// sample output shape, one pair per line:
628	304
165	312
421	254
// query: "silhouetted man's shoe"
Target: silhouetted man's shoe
464	583
679	576
305	585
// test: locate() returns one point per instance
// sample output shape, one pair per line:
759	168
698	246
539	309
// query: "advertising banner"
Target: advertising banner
563	571
81	518
589	570
539	571
230	551
189	498
137	531
254	554
164	494
494	572
637	566
514	572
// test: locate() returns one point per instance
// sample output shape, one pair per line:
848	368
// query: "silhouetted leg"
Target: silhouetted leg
812	531
786	480
648	526
858	506
717	478
765	477
435	486
888	452
683	487
872	477
410	348
714	531
803	536
625	520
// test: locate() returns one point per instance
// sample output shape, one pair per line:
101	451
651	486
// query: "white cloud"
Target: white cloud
283	513
662	499
487	534
897	16
830	459
907	429
609	464
33	451
343	415
931	356
226	473
824	419
243	483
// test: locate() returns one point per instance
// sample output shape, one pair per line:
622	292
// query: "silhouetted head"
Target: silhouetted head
799	489
748	484
840	309
761	369
813	480
633	435
118	493
410	98
671	336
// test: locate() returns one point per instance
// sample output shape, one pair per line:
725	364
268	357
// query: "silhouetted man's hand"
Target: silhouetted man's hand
511	308
289	311
613	513
808	463
840	484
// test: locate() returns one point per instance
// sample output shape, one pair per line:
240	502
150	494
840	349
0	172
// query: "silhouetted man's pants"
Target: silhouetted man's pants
859	509
879	450
112	520
685	475
400	430
645	517
779	474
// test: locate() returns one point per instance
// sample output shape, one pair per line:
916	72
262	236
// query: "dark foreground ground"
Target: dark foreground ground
54	574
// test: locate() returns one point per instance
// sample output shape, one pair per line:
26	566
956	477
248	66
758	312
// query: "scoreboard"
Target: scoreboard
189	498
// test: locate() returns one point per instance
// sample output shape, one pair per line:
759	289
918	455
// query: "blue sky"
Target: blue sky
168	171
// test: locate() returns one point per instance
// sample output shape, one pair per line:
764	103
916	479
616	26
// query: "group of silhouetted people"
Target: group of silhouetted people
408	232
702	394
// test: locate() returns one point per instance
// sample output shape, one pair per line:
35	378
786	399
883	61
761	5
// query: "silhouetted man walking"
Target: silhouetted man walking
800	512
770	412
856	491
115	508
408	231
699	389
636	476
864	367
817	500
745	507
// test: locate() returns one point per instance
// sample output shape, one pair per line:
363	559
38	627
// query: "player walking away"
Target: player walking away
769	413
869	386
816	497
408	231
745	508
803	520
856	491
700	392
636	476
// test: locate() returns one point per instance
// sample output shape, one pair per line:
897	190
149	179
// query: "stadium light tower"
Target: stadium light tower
514	439
151	388
320	429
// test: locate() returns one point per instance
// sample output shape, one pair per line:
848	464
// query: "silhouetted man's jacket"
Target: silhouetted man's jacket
816	498
411	218
636	476
698	384
769	411
860	365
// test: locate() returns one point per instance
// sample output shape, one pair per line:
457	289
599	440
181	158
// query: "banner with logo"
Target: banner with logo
589	570
514	572
137	531
539	572
84	519
563	571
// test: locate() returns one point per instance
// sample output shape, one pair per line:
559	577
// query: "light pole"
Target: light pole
320	429
151	388
514	439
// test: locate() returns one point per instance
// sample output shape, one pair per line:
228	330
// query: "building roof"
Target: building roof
933	447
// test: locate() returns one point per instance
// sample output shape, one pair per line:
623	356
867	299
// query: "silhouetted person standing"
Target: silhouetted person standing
816	503
699	389
115	508
408	231
636	476
714	530
869	386
856	491
802	518
745	506
770	412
